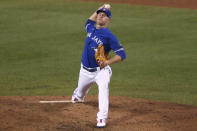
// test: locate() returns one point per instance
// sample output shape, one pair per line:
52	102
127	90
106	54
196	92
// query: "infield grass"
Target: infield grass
41	43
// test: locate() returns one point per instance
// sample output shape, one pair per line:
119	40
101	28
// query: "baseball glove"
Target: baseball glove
101	56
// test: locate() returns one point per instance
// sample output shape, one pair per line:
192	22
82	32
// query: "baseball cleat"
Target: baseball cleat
76	100
101	123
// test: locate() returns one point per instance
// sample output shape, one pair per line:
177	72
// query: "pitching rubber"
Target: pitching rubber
65	101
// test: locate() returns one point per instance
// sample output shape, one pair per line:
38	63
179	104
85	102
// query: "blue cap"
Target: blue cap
106	11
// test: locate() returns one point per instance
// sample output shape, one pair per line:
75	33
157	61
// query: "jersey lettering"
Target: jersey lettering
89	34
97	40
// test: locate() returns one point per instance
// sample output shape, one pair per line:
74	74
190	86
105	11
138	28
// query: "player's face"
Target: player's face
102	19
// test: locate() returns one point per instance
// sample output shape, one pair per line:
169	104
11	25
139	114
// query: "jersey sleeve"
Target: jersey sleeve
117	47
89	25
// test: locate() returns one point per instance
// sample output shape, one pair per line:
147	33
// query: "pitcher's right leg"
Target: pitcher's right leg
84	83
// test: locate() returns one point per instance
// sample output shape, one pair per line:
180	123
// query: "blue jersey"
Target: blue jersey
96	37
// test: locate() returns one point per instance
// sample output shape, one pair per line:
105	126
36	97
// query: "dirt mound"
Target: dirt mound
25	113
190	4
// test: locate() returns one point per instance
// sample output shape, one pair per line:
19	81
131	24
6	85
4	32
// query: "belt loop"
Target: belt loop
98	69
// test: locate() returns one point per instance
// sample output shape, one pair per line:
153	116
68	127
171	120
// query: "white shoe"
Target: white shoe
76	100
101	123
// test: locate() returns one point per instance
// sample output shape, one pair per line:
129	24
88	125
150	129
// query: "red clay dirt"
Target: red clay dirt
25	113
190	4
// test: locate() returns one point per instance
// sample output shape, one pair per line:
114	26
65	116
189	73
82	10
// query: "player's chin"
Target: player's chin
100	23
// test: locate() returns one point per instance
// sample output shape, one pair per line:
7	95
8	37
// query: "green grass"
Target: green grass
41	43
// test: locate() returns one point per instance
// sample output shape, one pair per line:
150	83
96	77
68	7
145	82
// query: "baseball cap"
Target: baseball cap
106	11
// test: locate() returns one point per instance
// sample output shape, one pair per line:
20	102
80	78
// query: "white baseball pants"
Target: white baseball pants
102	79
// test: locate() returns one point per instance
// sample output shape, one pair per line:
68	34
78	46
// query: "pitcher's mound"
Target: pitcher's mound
25	113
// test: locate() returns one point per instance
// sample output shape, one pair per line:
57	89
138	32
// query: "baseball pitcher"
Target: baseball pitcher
96	60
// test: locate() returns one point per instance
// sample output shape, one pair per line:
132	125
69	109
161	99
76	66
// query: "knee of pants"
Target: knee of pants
103	86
